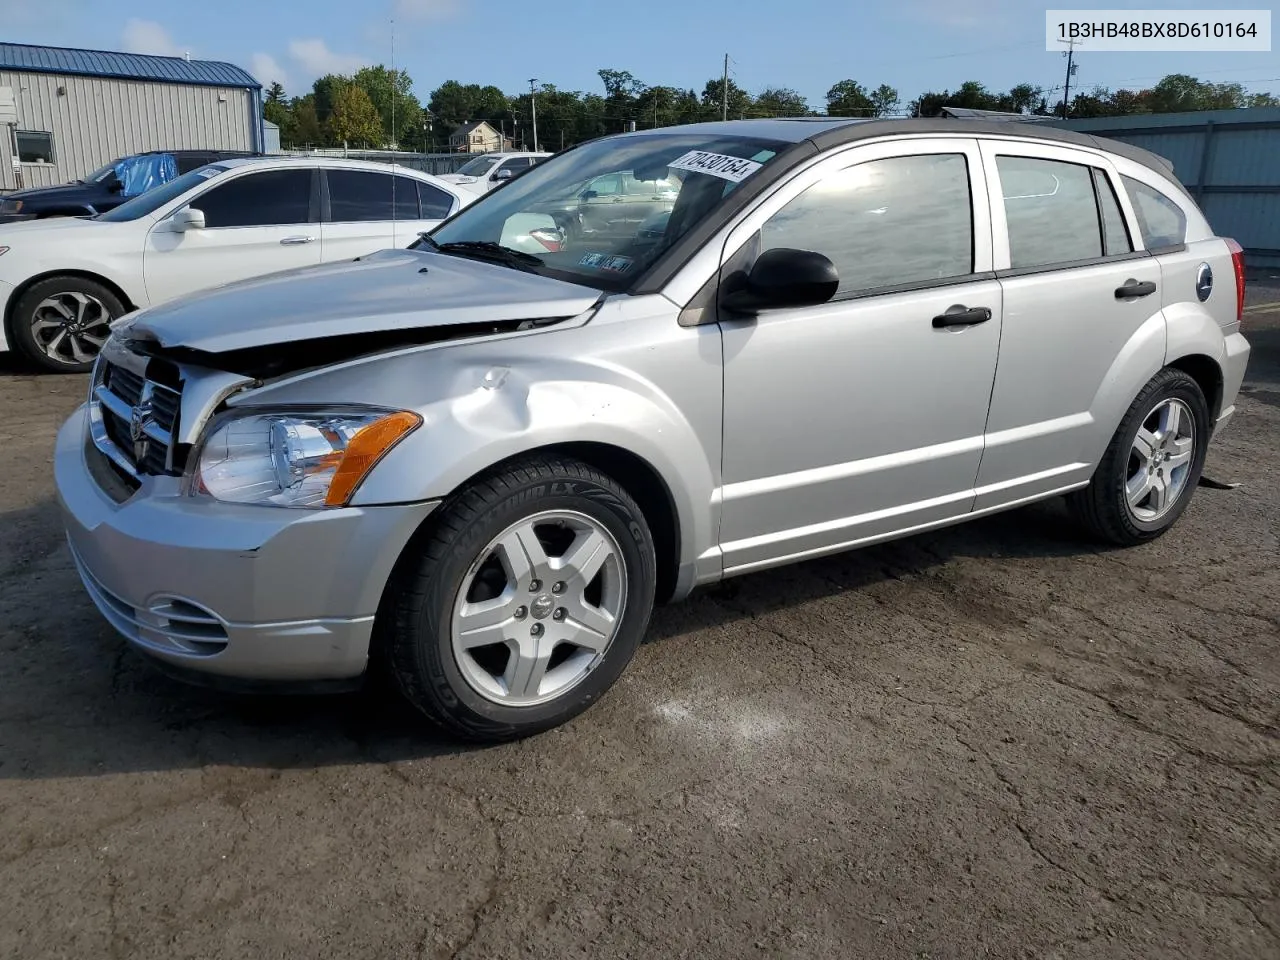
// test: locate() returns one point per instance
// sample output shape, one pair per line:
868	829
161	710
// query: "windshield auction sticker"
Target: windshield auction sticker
716	164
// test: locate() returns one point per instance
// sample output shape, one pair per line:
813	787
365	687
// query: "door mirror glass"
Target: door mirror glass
589	194
504	174
188	218
784	277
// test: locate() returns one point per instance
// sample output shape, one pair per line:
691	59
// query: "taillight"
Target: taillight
1237	261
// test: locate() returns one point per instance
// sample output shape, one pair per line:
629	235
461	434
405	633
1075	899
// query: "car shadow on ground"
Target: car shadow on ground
76	701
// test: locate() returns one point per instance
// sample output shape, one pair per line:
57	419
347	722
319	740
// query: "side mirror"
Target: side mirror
502	175
784	277
589	194
188	218
114	184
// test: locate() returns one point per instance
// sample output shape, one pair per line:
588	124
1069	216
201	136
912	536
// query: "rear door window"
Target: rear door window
358	196
1162	222
884	223
1115	235
1051	210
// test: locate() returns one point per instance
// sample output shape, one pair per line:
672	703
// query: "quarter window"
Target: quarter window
34	147
436	204
1051	210
1162	222
884	223
270	198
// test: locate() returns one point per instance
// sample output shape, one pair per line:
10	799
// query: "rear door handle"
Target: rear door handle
1132	289
962	316
292	240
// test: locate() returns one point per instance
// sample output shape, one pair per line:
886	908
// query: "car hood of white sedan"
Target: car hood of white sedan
386	291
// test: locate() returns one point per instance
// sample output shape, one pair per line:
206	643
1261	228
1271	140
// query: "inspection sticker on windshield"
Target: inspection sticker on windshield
716	164
607	261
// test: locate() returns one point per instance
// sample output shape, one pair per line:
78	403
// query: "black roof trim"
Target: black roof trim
944	126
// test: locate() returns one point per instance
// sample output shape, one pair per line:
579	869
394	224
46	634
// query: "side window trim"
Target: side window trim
748	224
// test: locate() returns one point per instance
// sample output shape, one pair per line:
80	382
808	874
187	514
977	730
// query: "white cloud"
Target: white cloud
147	36
410	10
315	57
267	70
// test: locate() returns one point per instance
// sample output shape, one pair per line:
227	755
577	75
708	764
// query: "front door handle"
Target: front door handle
962	316
1132	289
287	241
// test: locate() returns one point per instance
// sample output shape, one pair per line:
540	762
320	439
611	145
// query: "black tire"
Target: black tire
415	619
1102	507
24	318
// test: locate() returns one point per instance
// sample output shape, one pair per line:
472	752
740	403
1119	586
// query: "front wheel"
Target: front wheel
525	602
1152	465
61	323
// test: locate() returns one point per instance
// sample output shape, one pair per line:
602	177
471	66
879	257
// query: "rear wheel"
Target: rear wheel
1152	465
525	603
61	323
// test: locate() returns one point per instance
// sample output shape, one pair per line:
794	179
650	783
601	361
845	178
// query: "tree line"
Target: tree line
376	107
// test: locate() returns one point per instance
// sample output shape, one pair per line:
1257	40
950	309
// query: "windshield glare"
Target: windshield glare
477	167
602	213
151	201
102	173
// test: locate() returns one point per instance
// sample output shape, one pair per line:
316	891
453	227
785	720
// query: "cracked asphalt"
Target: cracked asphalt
994	741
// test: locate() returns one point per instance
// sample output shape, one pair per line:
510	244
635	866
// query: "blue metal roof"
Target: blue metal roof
123	66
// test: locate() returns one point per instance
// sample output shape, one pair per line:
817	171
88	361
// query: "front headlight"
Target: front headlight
297	459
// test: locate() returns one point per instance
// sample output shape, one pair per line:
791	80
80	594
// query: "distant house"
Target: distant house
478	136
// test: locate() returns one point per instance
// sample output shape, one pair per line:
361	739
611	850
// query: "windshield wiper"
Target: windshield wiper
488	250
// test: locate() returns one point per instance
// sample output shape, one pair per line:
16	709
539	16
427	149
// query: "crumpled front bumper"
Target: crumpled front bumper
248	592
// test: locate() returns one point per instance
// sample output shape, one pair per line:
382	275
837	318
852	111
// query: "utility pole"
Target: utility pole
394	77
1066	87
533	109
724	91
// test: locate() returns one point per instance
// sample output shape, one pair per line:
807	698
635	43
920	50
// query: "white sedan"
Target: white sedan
64	280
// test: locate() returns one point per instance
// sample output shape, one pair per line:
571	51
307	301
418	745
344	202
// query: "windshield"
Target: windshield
101	173
602	213
153	200
477	167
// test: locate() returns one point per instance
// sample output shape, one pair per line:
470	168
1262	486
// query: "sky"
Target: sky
808	45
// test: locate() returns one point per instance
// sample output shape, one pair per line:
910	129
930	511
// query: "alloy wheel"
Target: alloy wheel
70	327
539	607
1160	460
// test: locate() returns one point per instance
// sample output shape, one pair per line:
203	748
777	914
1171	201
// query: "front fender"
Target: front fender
647	386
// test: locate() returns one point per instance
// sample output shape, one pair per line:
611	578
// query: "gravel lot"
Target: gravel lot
994	741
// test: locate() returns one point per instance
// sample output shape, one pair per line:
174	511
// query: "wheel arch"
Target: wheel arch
633	473
1207	373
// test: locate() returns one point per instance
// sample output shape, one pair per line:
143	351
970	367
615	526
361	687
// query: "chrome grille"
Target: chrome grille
133	420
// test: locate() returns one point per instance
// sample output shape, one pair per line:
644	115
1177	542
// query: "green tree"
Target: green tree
884	100
849	98
354	119
391	93
275	109
780	102
1262	100
304	127
740	102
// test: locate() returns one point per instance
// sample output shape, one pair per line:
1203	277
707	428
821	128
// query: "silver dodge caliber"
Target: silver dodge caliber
479	462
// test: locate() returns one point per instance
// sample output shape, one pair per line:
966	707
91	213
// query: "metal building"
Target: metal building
71	111
1228	159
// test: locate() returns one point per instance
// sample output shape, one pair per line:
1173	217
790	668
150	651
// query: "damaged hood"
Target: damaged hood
385	292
